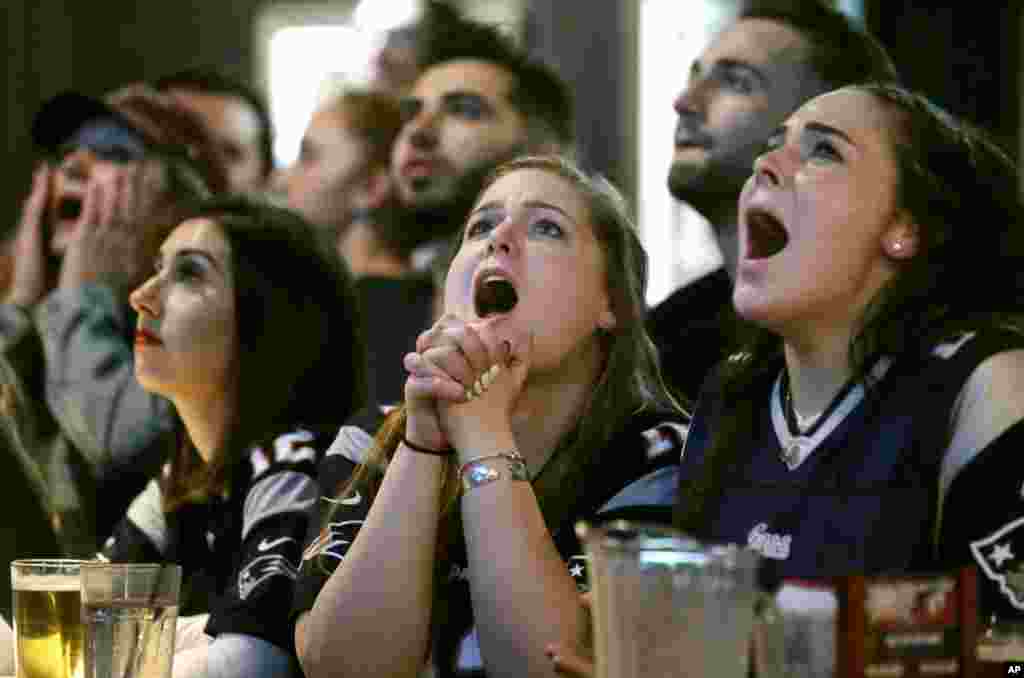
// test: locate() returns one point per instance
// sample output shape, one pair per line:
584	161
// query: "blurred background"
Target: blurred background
627	59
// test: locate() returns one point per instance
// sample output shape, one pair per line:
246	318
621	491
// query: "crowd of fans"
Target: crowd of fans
366	421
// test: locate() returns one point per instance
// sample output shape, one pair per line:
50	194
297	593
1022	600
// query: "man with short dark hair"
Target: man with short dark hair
118	174
751	76
478	102
237	118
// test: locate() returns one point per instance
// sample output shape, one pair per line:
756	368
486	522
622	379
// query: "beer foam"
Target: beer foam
46	582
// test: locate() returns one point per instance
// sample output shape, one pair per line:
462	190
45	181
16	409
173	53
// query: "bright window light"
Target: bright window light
304	61
383	15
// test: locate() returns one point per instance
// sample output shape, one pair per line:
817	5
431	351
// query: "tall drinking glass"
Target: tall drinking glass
48	637
665	605
129	612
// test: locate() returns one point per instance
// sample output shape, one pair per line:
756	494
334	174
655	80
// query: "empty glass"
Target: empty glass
665	605
129	612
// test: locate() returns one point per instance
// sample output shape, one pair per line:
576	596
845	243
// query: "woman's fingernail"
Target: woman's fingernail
488	377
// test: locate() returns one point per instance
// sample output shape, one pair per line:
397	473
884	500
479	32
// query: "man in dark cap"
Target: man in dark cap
117	174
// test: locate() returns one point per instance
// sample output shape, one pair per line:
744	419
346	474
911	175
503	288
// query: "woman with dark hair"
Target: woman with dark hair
881	253
448	541
875	424
249	328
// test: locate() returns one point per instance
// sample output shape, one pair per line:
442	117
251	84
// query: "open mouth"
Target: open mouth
766	236
494	295
69	208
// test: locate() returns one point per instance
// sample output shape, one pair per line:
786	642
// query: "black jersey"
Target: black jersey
652	440
395	312
694	329
861	494
240	553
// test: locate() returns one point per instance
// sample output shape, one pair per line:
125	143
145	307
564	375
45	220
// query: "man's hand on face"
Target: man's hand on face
29	280
116	235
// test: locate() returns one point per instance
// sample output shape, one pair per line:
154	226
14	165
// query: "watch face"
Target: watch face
477	472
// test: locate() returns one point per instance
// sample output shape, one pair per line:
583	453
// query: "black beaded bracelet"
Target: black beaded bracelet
446	452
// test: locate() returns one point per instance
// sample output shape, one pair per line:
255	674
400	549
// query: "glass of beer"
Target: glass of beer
129	612
48	638
667	605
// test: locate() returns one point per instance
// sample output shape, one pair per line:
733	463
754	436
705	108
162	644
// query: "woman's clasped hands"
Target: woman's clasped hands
464	378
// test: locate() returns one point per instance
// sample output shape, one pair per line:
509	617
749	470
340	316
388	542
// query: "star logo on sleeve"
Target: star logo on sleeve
1000	554
996	556
578	572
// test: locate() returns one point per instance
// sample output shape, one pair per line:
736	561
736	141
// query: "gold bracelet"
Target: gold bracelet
477	471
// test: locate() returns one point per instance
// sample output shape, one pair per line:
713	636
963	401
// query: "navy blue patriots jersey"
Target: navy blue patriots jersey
240	554
653	440
862	493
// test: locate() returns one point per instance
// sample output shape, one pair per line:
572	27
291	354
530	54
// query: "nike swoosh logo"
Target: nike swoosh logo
267	545
353	500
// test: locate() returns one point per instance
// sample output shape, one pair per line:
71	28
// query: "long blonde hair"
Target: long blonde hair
630	380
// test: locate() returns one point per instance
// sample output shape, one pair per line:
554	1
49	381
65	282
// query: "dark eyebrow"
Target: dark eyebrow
829	130
456	95
736	65
820	128
203	254
495	205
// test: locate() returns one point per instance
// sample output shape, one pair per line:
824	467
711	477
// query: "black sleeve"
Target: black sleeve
143	534
275	519
983	524
692	330
647	450
336	518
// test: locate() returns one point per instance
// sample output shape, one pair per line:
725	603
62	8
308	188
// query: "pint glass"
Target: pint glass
665	605
48	638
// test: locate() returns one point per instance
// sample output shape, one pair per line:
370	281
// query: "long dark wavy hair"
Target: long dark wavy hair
962	191
300	360
629	383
